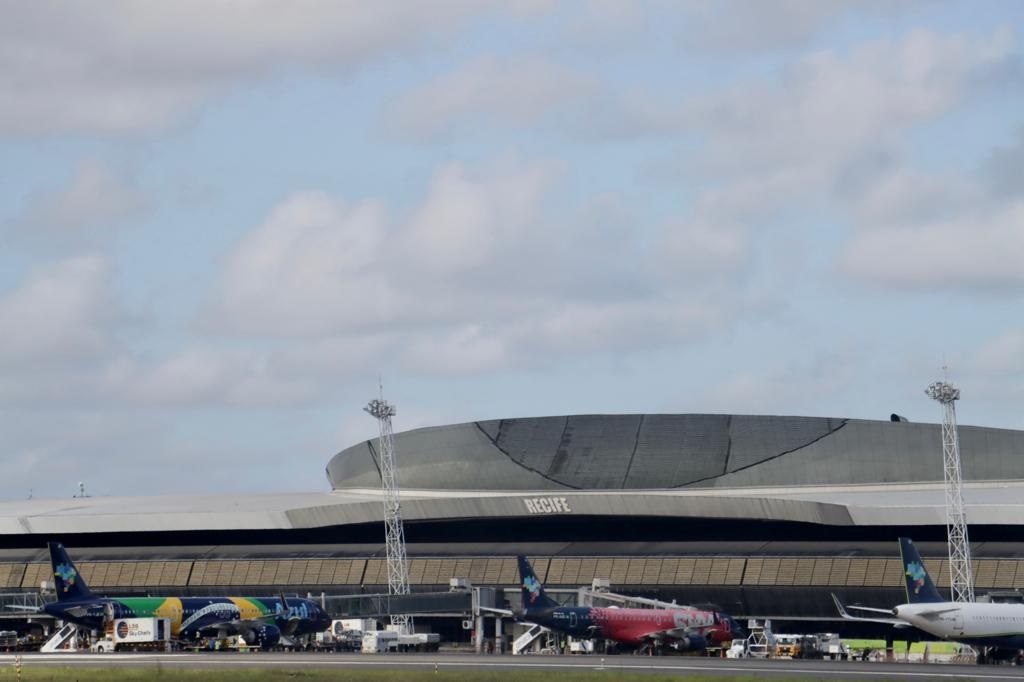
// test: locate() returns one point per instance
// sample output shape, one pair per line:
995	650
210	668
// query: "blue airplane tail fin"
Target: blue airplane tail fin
920	588
70	585
533	592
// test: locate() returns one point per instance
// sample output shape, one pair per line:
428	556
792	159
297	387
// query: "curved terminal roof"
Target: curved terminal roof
992	503
664	451
553	476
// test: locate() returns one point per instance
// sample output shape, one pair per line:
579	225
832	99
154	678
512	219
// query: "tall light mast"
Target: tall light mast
960	578
398	570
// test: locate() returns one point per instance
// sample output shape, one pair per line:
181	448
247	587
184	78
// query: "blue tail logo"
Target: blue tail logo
919	585
69	583
532	590
532	585
66	573
915	571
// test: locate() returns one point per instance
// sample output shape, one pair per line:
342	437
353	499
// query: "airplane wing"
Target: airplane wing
659	636
234	627
500	612
937	612
846	615
81	610
868	609
674	633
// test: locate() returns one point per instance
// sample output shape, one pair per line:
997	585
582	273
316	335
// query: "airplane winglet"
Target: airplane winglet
839	607
847	616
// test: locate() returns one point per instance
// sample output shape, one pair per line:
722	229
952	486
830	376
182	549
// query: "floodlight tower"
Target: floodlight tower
960	578
398	571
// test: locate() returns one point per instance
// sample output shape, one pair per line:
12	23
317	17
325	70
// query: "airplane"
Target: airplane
259	620
997	629
684	628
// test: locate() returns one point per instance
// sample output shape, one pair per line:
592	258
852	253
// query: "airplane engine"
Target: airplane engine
266	636
692	643
113	610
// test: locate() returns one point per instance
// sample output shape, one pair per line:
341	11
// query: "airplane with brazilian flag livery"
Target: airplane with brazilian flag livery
259	620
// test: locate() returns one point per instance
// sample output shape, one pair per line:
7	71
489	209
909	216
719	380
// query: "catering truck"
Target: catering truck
135	634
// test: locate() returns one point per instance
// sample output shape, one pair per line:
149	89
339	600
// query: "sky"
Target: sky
224	224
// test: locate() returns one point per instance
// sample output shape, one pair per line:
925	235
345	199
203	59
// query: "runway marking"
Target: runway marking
206	660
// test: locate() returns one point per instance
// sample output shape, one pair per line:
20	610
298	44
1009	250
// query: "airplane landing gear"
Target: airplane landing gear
991	655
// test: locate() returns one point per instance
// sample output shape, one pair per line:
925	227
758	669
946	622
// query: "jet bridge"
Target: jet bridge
464	601
383	605
21	602
599	594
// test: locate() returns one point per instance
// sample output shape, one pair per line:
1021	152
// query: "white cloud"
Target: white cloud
829	108
703	247
311	267
720	27
60	313
320	265
464	220
820	108
459	349
920	230
807	385
611	24
825	136
94	201
205	375
905	195
516	92
755	25
675	316
129	67
483	273
768	151
981	250
911	229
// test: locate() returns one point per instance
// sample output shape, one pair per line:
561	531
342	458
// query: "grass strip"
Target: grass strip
121	674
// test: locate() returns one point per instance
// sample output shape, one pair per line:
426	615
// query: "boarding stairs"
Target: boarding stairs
523	642
65	639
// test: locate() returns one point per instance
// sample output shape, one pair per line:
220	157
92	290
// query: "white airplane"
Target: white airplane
984	625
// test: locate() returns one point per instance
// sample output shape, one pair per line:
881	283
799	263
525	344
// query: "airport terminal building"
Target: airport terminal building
762	515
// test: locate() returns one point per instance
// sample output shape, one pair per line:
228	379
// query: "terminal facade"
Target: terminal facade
761	515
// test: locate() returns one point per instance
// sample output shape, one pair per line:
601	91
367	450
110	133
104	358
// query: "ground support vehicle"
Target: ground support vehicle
740	649
135	634
383	641
345	640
